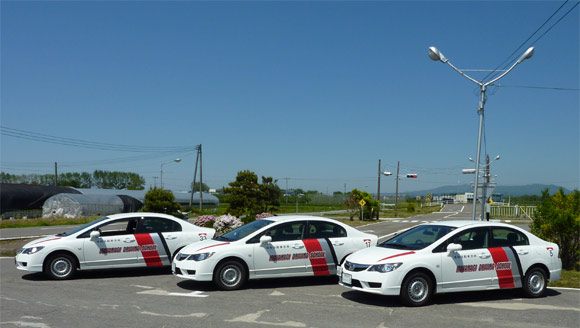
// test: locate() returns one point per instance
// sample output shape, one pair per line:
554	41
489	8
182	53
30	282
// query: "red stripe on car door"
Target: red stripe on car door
319	265
151	257
505	277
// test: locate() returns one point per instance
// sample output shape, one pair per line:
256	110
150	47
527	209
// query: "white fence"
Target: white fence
513	211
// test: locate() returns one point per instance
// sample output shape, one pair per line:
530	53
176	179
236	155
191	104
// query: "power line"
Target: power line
511	57
535	87
22	134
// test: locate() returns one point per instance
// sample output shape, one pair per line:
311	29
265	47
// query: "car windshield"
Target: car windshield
72	232
244	230
418	237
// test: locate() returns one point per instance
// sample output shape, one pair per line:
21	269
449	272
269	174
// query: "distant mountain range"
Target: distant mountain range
532	189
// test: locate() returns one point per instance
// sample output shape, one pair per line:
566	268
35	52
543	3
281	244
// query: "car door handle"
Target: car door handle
170	237
298	246
484	255
128	240
338	243
522	252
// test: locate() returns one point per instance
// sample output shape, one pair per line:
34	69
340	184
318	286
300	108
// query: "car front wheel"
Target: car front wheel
60	266
535	281
230	275
416	290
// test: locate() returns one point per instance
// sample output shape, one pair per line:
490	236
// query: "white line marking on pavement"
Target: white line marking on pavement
253	319
191	315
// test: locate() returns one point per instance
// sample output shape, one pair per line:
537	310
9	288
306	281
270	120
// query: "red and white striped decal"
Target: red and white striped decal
319	265
212	246
392	256
151	257
42	241
505	277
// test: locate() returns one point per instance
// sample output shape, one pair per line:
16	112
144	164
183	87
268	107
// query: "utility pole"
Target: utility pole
200	182
193	187
379	190
55	174
397	190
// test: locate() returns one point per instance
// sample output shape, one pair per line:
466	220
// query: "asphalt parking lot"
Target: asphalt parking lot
155	298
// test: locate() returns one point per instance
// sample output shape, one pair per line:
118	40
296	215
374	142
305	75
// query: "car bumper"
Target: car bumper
193	270
28	263
370	282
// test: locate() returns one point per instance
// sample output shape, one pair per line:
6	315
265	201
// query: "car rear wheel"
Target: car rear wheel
416	290
60	266
535	281
230	275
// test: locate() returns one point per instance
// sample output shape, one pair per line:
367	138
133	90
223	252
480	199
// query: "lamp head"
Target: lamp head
527	55
436	55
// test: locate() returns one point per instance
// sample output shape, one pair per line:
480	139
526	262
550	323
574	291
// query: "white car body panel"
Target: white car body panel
129	249
283	258
493	266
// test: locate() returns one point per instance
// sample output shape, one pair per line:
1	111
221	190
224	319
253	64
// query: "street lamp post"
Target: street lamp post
177	160
436	55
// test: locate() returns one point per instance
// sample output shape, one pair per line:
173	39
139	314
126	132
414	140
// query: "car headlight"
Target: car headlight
200	257
387	267
30	250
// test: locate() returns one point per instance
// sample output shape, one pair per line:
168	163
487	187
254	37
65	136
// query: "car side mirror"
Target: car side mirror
453	248
95	234
265	239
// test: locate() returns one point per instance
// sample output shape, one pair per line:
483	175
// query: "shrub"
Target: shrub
205	221
161	201
263	215
226	223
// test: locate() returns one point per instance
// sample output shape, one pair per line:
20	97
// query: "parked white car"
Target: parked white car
114	241
284	246
453	256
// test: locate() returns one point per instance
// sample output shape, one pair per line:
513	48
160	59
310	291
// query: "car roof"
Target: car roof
282	218
133	214
464	223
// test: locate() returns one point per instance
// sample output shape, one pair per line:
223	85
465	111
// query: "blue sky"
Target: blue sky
316	92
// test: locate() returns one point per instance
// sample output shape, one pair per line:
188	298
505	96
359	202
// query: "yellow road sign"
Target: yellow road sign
362	202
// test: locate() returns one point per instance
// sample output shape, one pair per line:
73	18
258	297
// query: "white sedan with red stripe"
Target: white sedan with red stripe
114	241
453	256
284	246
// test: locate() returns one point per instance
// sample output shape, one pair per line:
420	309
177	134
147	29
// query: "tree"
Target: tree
271	194
159	200
558	220
204	187
118	180
353	204
246	197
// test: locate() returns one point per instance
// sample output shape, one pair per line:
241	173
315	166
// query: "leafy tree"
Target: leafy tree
271	195
100	179
204	187
246	197
118	180
558	220
353	204
159	200
76	180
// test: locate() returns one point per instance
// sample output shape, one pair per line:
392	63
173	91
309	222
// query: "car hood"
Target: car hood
204	246
42	241
379	255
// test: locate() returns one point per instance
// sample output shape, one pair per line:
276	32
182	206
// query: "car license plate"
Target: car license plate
346	279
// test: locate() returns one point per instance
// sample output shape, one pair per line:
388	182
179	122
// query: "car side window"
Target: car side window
287	231
472	238
115	228
321	229
505	237
155	224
